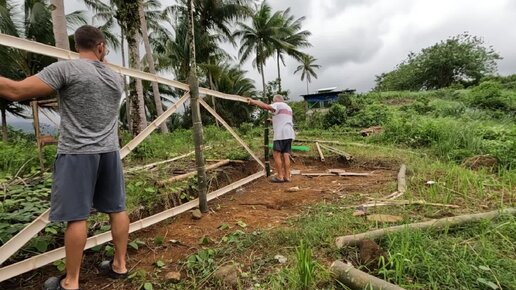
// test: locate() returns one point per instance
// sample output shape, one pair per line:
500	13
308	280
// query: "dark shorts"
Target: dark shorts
83	181
282	146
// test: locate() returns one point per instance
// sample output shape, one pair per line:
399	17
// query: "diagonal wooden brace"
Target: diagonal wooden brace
231	131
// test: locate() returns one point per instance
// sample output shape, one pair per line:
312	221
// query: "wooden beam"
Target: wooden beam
41	260
356	279
193	173
231	131
337	151
353	240
152	126
51	51
25	235
150	165
320	151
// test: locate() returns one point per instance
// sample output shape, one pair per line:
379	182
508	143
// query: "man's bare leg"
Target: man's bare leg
75	240
120	232
278	164
286	159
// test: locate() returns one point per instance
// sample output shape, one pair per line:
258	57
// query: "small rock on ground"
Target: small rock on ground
173	277
196	214
227	274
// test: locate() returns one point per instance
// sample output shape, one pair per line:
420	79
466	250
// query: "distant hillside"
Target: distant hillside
27	126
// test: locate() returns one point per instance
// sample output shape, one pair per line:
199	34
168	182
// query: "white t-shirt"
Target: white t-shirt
282	123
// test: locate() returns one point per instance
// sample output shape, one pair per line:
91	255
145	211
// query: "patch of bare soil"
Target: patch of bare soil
260	205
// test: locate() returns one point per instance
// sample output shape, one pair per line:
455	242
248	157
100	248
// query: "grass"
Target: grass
474	256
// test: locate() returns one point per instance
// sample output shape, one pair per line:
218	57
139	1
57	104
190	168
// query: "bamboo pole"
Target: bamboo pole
152	126
193	83
51	51
193	173
41	260
230	130
161	162
358	280
320	151
353	240
337	151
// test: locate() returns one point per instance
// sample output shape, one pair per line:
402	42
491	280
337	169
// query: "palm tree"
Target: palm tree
293	39
128	18
152	68
260	38
59	24
307	69
33	22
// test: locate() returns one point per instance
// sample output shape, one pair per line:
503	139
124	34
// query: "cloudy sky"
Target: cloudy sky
354	40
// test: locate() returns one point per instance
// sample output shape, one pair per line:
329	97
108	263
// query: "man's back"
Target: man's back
282	123
89	98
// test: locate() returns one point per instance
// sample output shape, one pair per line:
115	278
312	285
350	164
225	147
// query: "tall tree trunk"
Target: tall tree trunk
279	71
59	24
138	104
4	125
126	87
266	127
264	94
152	67
128	18
196	114
307	92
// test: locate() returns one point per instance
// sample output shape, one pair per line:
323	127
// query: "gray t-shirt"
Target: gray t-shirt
89	99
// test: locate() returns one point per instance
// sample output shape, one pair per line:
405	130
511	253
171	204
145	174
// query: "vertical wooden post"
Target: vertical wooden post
266	145
35	116
196	115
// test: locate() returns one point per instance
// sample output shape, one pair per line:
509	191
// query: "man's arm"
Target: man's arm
260	104
16	91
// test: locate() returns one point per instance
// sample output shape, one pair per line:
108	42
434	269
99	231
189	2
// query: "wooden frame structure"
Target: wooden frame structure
25	235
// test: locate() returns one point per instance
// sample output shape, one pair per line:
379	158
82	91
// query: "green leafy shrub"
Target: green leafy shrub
335	116
371	115
489	95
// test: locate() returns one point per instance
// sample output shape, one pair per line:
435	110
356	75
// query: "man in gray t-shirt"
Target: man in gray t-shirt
88	171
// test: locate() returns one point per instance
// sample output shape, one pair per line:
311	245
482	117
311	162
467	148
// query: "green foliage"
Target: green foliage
460	59
479	256
336	116
305	266
202	263
489	95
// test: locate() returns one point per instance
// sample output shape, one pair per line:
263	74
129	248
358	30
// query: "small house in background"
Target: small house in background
323	99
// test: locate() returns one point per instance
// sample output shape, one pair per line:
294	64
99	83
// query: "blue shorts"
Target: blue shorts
83	181
282	146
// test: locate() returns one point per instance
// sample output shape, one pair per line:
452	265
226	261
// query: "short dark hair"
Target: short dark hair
87	37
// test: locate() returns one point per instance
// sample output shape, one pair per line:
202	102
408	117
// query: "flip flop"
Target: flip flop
54	283
106	268
277	180
287	180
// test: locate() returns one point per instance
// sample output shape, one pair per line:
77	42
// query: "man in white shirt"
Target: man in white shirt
283	128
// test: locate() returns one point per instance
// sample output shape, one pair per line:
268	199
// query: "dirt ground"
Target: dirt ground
260	205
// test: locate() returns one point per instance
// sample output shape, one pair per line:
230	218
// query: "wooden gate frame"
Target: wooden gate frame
25	235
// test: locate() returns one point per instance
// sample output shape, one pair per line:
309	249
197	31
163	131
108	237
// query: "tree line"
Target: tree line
257	31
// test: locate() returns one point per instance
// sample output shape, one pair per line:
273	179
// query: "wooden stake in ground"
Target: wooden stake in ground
196	115
353	240
320	151
356	279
